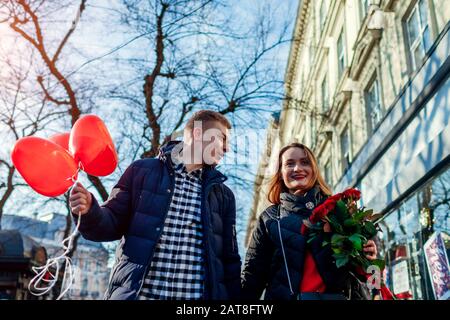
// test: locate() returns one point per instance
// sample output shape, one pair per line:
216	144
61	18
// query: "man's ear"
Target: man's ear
197	134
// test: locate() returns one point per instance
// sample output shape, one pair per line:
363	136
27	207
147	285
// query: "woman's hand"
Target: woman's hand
370	248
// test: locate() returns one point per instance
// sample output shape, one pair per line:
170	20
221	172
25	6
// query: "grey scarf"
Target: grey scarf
300	204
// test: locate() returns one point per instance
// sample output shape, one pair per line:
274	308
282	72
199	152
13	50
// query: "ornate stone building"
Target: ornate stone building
367	88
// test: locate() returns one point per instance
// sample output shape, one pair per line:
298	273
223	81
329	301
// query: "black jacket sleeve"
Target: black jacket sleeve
231	258
109	221
256	272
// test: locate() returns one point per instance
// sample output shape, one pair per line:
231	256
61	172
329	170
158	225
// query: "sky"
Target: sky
100	43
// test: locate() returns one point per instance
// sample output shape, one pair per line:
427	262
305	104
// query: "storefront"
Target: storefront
403	172
407	230
18	254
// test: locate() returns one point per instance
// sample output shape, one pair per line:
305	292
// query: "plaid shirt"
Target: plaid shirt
177	270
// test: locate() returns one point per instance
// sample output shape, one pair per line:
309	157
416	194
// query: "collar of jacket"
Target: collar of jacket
300	204
209	175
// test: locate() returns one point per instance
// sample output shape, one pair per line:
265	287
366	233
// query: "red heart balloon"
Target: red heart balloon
44	165
90	143
61	139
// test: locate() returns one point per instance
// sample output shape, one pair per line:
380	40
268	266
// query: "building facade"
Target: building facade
367	88
90	260
18	255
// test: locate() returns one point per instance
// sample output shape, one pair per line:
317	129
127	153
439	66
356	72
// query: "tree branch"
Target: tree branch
71	30
47	94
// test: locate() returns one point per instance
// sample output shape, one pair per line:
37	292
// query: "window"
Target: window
374	108
322	14
342	60
418	30
324	94
345	149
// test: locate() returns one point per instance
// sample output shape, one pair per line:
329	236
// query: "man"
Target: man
175	218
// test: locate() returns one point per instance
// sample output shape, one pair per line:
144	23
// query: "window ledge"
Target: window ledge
364	45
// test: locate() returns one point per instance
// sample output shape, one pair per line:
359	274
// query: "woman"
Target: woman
279	259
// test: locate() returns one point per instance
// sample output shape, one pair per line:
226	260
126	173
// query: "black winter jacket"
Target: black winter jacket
264	266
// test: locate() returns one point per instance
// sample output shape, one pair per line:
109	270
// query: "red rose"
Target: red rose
352	193
303	229
319	213
330	204
336	197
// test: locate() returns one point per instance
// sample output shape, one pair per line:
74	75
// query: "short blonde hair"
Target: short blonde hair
207	116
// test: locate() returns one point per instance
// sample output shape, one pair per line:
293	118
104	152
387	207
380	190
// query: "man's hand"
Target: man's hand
80	200
370	248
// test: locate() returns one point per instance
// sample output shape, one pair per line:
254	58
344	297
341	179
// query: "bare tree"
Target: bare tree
23	18
20	116
190	63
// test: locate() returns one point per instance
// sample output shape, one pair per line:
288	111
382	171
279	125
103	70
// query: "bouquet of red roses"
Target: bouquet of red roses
351	227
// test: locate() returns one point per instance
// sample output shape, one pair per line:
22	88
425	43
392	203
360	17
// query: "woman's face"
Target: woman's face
296	169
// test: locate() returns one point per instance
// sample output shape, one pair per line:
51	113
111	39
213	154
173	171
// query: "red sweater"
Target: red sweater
311	280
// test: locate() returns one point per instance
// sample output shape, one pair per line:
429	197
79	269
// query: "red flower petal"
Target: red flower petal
352	193
319	213
337	197
303	229
330	204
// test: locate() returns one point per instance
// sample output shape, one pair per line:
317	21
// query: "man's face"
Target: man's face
215	142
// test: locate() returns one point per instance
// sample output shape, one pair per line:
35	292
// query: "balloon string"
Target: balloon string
74	178
45	280
80	166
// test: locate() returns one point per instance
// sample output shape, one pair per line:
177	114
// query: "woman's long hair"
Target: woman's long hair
276	184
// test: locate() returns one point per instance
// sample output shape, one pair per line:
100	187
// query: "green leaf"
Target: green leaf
350	222
335	225
356	240
358	216
369	230
337	250
325	243
341	211
361	214
337	239
355	253
341	261
357	229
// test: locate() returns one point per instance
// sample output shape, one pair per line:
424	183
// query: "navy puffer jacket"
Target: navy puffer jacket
135	212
